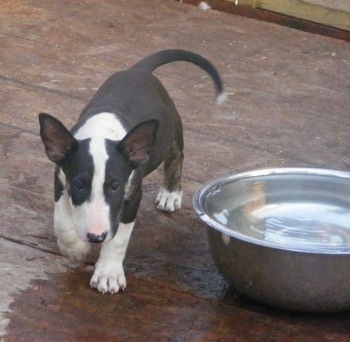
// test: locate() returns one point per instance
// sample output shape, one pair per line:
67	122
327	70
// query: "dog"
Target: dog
125	132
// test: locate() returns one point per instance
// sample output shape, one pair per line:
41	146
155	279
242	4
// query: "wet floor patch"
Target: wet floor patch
64	308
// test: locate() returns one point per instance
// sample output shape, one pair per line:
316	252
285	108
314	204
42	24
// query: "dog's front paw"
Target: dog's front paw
76	250
108	277
169	201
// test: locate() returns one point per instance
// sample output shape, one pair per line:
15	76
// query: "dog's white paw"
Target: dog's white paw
76	250
108	277
169	201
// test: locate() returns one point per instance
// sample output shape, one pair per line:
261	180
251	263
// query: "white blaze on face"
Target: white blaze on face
93	216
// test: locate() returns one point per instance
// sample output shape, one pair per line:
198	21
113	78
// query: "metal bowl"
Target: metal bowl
282	236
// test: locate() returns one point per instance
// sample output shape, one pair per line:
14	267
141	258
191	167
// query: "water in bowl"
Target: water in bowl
306	213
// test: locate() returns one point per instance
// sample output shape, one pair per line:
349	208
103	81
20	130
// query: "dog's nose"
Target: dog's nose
93	238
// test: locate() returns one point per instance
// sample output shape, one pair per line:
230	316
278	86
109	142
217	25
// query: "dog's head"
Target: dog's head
93	172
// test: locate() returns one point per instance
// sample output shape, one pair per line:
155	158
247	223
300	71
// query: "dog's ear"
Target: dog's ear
137	144
58	141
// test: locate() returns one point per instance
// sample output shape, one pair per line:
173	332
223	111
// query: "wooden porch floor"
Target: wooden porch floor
288	106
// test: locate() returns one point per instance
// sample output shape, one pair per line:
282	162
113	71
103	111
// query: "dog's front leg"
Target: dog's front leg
68	242
109	274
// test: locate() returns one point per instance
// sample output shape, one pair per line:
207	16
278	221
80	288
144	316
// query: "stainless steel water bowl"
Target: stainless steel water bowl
282	236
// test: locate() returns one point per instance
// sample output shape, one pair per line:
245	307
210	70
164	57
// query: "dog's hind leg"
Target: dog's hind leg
169	197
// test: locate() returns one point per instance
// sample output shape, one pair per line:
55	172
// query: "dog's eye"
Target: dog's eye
115	186
78	184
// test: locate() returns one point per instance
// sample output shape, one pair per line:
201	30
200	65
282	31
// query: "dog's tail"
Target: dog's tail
160	58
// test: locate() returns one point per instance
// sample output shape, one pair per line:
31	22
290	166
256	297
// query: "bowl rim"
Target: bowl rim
200	195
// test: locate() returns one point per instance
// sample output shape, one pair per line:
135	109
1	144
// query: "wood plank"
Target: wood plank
314	11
